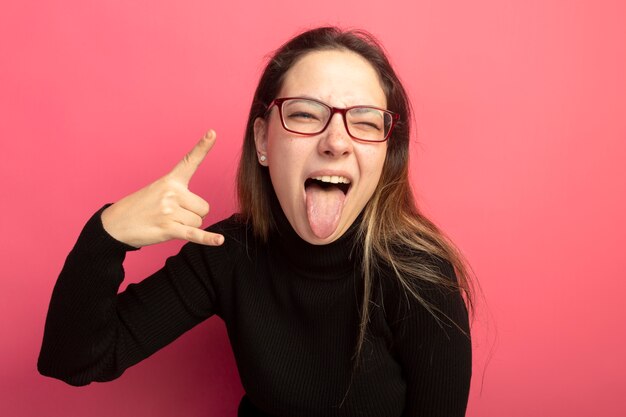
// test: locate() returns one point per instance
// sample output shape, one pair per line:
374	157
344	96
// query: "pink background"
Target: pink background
519	155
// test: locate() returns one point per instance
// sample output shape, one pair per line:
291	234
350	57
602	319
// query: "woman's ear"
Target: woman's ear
260	139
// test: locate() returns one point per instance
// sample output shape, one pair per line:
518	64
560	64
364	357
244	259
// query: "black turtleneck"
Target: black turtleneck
292	314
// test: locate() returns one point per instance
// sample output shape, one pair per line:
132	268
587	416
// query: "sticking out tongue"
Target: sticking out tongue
323	207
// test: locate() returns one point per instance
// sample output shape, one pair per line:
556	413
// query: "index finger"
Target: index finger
186	167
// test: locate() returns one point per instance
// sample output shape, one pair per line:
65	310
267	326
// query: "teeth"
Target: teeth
333	179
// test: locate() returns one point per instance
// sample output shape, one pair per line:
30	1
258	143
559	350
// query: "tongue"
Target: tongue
323	208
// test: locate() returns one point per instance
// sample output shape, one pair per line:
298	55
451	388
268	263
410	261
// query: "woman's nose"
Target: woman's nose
335	140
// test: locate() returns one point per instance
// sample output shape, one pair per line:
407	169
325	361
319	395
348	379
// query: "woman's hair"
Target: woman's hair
393	229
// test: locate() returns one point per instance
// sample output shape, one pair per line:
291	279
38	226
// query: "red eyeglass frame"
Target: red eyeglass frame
279	101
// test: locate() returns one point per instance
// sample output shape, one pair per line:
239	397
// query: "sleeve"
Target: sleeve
435	352
92	333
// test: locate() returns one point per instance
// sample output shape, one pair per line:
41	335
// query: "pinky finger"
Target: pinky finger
202	237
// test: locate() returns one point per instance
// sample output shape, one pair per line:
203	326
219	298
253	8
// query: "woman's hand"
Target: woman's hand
165	209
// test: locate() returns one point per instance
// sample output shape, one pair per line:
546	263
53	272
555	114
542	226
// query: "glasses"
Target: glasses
309	117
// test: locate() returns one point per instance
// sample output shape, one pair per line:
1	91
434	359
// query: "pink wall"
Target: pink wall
521	114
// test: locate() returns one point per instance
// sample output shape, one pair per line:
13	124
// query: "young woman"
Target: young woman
340	298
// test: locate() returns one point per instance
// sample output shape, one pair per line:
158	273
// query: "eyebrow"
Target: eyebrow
306	96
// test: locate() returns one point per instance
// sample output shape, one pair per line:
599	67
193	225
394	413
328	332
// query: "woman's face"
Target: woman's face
319	211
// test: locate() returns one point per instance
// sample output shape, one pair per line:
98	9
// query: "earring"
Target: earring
263	158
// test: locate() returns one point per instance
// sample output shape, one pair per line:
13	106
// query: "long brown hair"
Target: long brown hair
393	227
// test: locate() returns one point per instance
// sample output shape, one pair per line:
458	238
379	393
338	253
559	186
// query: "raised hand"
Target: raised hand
165	209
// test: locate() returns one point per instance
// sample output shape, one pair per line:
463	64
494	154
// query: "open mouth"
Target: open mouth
327	182
325	199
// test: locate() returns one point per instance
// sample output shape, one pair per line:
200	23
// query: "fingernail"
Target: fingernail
219	240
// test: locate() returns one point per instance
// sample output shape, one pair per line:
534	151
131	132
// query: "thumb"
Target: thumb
186	167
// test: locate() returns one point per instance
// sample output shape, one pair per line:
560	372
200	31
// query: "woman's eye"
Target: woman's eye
303	116
367	126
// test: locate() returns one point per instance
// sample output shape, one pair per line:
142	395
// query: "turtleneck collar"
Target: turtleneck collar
325	262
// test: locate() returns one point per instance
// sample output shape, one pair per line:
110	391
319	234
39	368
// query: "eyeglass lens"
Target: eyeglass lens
309	117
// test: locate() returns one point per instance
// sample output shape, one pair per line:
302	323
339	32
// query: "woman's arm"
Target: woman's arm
435	354
94	334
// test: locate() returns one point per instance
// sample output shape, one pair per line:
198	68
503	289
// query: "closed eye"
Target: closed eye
303	116
367	125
